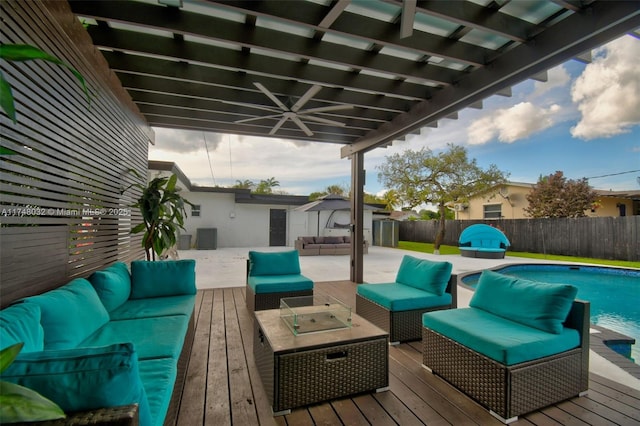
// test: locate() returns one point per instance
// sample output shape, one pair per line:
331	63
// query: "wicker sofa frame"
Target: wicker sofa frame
402	326
510	391
262	301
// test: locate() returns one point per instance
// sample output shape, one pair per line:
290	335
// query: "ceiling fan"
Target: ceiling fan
295	112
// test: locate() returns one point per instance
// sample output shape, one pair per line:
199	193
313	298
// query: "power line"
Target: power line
613	174
204	135
230	159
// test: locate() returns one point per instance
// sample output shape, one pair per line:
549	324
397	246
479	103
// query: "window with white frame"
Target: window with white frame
492	211
195	210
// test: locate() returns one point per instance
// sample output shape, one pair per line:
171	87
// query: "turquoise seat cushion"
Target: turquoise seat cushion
536	304
276	263
20	323
162	278
155	307
398	297
84	378
160	337
112	284
70	314
505	341
279	283
424	274
158	378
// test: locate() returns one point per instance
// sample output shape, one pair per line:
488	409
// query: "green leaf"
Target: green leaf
8	355
6	99
19	404
25	52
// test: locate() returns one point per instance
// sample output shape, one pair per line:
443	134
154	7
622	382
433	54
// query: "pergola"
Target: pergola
357	73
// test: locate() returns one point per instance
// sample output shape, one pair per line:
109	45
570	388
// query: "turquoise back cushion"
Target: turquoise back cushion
84	378
535	304
70	314
20	323
277	263
113	285
162	278
424	274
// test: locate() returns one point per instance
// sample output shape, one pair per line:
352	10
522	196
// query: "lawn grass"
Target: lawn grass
428	248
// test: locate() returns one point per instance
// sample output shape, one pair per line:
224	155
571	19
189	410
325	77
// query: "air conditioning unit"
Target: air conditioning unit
459	207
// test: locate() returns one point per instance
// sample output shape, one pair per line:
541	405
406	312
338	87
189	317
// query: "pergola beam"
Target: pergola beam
577	33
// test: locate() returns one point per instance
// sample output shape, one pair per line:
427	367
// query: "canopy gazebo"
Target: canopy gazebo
356	74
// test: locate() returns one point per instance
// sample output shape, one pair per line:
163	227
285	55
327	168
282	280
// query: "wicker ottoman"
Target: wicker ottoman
306	369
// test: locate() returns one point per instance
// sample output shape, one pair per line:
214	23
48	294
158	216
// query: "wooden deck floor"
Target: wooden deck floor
223	386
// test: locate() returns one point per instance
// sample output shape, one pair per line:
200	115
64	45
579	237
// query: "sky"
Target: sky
584	121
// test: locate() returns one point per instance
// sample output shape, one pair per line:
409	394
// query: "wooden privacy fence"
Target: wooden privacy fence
597	237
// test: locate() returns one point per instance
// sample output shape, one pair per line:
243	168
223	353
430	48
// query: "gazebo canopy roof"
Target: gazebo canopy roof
361	73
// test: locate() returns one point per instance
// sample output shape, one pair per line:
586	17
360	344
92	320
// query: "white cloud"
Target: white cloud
511	124
295	165
185	141
557	77
608	91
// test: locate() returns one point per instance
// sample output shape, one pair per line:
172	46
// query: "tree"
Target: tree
557	196
244	184
392	200
423	177
266	186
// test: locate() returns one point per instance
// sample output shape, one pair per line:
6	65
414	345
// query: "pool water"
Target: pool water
614	293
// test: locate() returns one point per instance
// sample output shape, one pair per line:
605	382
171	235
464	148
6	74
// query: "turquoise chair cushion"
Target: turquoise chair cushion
155	307
279	283
158	377
399	297
70	314
83	378
276	263
424	274
113	285
162	278
161	337
505	341
535	304
20	323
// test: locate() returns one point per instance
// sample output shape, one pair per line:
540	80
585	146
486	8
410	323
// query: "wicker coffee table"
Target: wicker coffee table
310	368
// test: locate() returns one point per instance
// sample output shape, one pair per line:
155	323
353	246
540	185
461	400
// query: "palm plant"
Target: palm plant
163	212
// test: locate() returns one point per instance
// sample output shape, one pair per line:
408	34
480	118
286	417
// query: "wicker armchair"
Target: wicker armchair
390	306
512	390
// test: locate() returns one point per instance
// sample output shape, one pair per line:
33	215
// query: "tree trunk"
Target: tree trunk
440	234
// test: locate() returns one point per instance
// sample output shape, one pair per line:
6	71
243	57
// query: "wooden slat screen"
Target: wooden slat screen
64	202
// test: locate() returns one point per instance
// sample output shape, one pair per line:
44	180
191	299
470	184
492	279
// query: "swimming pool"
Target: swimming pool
614	293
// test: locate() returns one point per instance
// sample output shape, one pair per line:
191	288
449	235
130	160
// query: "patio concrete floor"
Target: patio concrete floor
226	267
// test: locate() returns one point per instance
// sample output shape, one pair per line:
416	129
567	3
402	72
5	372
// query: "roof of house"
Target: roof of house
242	196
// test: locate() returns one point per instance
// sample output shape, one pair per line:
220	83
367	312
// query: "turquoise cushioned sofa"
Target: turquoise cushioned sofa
116	339
520	345
272	276
420	286
483	241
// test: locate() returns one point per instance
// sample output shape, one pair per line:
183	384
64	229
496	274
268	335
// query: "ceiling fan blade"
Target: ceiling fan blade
326	109
306	97
246	120
246	105
321	120
278	125
302	125
271	96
